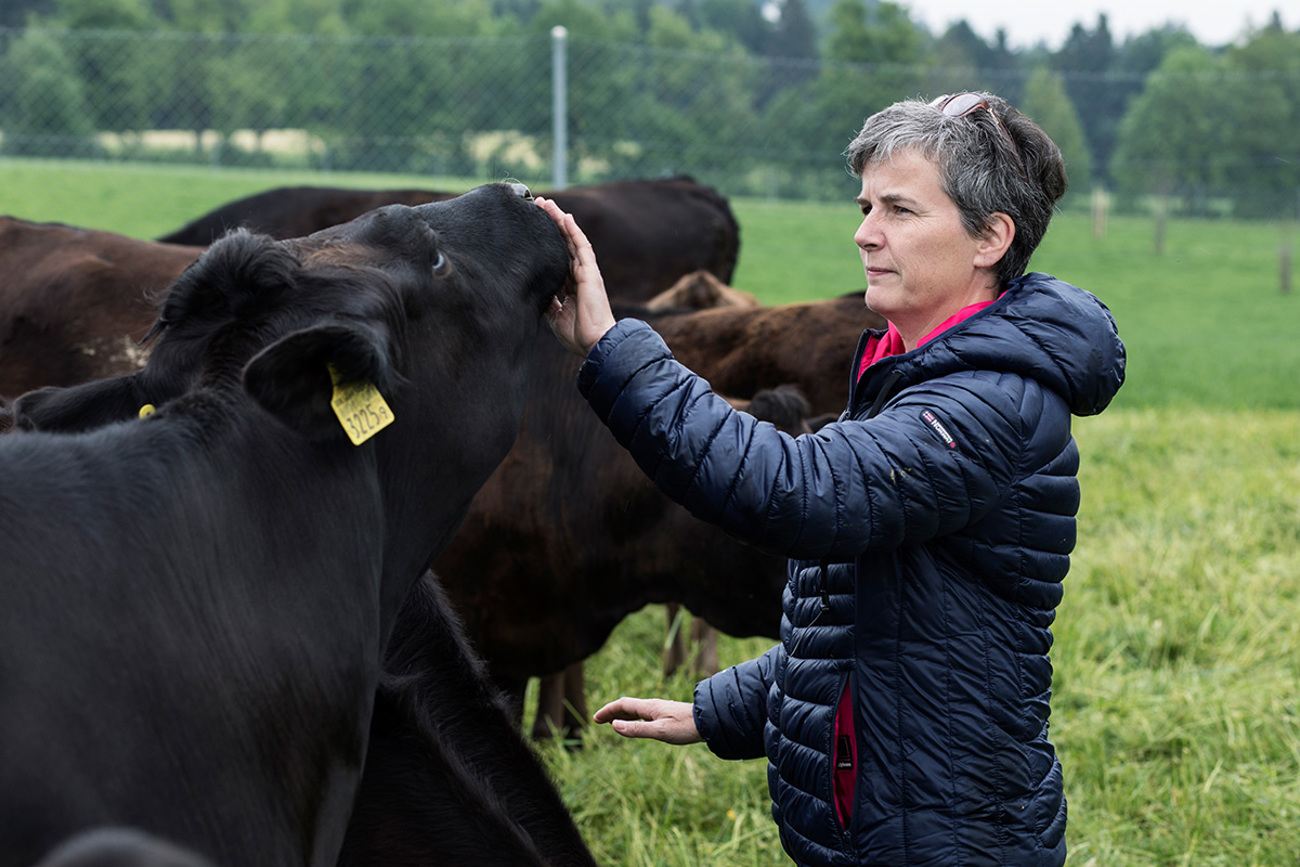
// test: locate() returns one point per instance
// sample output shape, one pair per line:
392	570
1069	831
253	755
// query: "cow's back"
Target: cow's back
75	303
293	212
649	233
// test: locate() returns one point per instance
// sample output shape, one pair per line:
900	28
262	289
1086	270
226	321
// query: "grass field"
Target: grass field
1177	688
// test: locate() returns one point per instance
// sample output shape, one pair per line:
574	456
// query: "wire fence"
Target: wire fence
487	108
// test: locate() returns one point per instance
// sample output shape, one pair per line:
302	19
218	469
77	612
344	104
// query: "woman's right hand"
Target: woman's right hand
672	722
584	316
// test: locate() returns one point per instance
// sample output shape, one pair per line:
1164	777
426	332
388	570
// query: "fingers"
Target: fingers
672	722
584	317
623	708
579	245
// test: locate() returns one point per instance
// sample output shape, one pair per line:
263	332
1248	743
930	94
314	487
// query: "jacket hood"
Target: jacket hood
1041	328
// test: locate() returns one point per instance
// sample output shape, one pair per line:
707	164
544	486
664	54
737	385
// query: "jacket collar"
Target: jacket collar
1040	327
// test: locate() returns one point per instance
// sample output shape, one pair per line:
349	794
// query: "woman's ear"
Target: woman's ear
996	240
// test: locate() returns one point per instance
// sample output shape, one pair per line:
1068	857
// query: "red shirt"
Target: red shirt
891	342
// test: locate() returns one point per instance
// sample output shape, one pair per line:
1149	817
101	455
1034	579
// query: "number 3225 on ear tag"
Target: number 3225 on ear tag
360	408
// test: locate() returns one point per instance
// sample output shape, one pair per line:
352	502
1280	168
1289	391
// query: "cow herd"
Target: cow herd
296	500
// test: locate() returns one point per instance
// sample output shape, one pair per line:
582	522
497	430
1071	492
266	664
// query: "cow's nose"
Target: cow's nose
522	191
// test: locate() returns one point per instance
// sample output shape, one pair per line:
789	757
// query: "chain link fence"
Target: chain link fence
483	109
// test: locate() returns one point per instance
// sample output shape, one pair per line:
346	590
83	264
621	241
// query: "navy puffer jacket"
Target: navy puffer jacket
929	530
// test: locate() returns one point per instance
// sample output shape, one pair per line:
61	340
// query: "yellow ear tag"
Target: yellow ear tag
361	409
147	410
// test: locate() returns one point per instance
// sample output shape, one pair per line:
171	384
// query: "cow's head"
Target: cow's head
452	289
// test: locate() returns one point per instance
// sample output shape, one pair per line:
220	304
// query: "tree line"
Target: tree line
768	91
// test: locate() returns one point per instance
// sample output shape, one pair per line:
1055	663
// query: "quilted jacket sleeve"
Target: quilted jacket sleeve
731	706
938	458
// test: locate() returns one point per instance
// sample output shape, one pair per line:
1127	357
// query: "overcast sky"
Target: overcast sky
1027	22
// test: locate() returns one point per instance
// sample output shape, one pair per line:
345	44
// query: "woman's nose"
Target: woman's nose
866	236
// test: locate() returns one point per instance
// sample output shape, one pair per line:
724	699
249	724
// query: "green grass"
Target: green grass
1177	688
1176	705
145	201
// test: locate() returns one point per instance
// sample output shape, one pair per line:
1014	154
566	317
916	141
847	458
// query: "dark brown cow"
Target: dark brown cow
74	303
294	212
568	536
742	351
647	233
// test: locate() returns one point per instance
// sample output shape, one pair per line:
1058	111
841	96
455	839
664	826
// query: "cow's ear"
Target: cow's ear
233	277
294	378
80	407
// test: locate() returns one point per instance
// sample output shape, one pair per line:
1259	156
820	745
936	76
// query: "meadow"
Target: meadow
1177	655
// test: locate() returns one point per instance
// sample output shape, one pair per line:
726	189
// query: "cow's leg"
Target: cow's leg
705	640
575	700
675	641
561	704
549	720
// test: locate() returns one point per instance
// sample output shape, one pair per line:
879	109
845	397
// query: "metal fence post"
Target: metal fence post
559	108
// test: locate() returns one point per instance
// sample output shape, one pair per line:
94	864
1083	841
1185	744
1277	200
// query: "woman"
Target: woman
905	712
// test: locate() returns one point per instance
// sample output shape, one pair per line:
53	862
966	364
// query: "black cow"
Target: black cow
449	779
120	847
195	604
647	233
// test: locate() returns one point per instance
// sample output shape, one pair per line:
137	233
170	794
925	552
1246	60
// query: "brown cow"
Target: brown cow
646	232
561	697
75	303
700	290
568	536
559	694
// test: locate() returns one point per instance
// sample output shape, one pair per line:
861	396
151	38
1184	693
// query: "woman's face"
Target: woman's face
922	265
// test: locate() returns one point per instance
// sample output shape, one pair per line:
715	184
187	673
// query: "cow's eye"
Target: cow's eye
440	265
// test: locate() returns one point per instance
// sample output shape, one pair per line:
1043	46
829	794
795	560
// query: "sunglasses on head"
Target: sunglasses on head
962	104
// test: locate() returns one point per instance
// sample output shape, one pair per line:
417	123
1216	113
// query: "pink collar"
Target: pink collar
891	342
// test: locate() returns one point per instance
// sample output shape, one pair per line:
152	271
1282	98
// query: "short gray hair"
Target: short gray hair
989	161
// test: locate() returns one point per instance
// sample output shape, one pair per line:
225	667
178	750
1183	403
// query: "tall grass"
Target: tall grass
1177	686
1176	706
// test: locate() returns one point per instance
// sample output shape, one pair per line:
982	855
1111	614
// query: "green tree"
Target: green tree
881	33
1176	137
740	19
1265	173
961	60
45	109
708	81
119	75
793	34
16	13
873	57
1047	103
1086	62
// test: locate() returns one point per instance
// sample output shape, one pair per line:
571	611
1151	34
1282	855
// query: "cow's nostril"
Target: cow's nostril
522	191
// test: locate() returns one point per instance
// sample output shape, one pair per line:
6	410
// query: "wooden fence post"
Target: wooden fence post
1162	217
1284	267
1099	209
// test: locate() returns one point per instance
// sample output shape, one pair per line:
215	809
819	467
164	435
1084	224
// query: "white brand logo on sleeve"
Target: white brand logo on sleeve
933	421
